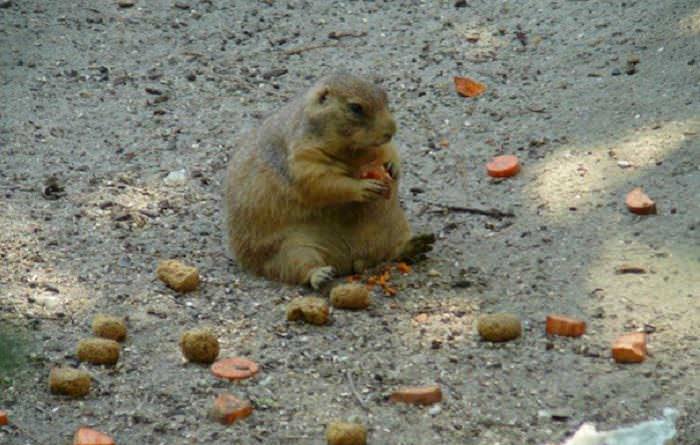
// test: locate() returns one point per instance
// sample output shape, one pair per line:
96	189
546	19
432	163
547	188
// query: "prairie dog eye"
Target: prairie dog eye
356	109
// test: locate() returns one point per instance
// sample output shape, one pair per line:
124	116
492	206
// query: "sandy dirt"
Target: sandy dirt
101	103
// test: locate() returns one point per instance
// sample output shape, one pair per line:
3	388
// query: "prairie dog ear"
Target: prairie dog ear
320	94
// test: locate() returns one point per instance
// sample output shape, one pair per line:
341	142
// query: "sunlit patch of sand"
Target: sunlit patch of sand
582	176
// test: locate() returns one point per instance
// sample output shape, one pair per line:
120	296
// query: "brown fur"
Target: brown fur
294	206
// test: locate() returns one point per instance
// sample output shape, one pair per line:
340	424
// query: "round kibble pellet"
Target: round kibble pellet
107	326
98	351
499	327
312	310
199	345
344	433
350	296
178	276
69	381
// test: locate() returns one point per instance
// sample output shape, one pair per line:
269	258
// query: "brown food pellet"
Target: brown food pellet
199	345
98	351
69	381
345	433
178	276
312	310
350	296
499	327
107	326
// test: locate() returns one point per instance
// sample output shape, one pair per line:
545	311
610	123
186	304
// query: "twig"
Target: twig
493	213
25	432
301	49
193	54
354	391
245	83
337	35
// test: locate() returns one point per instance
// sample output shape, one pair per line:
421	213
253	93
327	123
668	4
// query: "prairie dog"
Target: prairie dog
296	209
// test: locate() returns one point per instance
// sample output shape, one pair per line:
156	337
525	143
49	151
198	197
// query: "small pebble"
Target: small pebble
126	3
633	59
177	177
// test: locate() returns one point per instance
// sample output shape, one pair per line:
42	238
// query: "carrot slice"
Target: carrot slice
565	326
417	395
3	418
403	268
234	368
503	166
228	408
87	436
468	87
374	171
630	348
638	202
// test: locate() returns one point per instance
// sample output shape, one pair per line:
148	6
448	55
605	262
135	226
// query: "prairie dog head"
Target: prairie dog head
346	112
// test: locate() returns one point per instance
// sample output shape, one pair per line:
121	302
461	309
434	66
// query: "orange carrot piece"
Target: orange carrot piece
234	368
565	326
87	436
390	291
468	87
630	348
638	202
228	408
417	395
503	166
3	418
421	318
374	171
403	268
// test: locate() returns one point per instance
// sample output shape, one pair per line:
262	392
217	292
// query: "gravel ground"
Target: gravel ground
101	103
